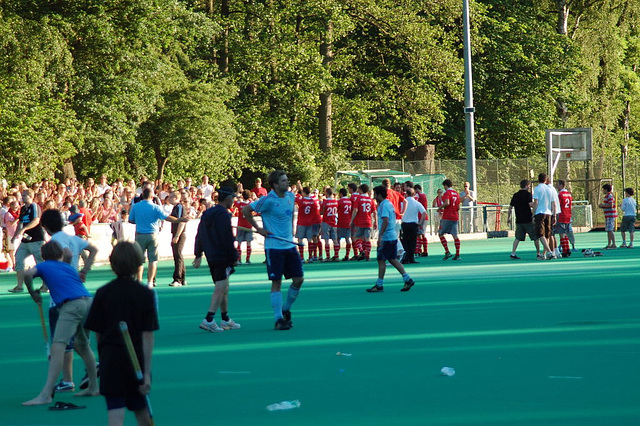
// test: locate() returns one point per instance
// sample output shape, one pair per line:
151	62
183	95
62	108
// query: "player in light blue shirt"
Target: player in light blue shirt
276	210
387	242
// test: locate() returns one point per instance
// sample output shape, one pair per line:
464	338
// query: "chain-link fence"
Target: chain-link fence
499	179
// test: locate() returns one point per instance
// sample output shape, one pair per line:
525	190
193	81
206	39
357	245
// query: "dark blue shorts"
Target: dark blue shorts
285	262
54	314
387	250
135	402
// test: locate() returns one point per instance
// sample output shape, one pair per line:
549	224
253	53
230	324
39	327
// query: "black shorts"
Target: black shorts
220	270
387	250
134	402
285	262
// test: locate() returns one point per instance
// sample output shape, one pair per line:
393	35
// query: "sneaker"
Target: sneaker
44	289
630	246
63	386
624	245
281	324
447	255
557	252
612	247
354	258
248	262
345	259
375	289
84	383
287	317
229	325
408	285
8	270
335	259
574	250
175	284
456	257
325	260
361	256
514	256
210	326
16	290
310	260
540	257
551	256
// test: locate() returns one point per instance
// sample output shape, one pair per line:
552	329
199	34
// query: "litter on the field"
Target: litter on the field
591	253
342	354
284	405
448	371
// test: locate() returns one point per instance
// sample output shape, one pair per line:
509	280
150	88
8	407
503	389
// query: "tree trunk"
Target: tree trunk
161	162
223	62
325	112
426	154
563	16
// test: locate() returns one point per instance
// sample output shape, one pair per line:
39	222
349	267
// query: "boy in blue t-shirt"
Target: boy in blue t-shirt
68	292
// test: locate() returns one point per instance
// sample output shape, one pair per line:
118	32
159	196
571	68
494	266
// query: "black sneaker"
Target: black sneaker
375	289
447	255
456	257
287	317
63	386
362	256
84	383
514	256
281	324
408	285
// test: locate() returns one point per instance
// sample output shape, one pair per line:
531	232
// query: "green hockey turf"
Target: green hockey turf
532	343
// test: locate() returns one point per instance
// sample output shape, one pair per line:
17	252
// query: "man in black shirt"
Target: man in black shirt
522	201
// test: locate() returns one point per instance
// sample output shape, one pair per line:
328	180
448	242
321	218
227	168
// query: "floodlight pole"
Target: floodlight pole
469	110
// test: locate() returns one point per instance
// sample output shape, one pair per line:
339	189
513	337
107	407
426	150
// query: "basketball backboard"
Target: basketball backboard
569	145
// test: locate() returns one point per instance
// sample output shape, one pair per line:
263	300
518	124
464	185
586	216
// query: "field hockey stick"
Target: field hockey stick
134	362
44	331
275	237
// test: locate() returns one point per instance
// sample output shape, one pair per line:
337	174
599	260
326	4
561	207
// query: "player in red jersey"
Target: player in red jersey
344	220
564	217
361	219
353	193
242	235
308	225
329	210
449	222
396	198
422	245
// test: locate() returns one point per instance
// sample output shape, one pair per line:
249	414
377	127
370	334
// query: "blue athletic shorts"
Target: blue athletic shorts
134	402
285	262
387	250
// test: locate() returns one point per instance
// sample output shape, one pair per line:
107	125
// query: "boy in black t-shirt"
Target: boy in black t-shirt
522	201
124	299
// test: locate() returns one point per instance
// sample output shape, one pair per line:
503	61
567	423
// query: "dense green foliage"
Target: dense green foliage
176	87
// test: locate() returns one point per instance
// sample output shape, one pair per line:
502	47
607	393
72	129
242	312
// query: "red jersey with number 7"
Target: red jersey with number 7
365	208
344	212
450	212
566	200
308	211
330	212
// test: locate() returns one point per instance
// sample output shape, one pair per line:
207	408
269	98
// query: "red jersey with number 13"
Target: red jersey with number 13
566	200
365	209
330	212
344	212
451	211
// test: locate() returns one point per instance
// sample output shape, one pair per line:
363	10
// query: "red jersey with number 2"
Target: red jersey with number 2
365	209
330	212
308	211
344	212
451	211
566	200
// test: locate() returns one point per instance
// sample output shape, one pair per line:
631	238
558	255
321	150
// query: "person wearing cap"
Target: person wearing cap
147	216
259	190
215	239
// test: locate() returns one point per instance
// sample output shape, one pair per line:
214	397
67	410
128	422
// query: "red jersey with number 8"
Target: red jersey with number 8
450	212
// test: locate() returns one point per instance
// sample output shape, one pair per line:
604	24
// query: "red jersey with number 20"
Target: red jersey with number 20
566	200
344	212
450	212
330	212
365	208
308	211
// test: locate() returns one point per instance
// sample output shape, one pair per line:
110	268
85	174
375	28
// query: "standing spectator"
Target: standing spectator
387	242
215	240
544	208
449	222
178	238
10	220
87	219
206	188
147	217
522	202
32	235
610	215
628	207
468	198
258	189
102	187
276	209
124	299
412	220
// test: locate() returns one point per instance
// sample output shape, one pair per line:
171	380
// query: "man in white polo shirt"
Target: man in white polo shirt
412	219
